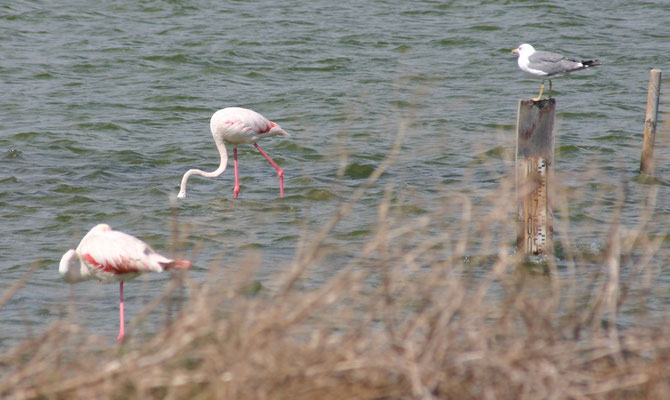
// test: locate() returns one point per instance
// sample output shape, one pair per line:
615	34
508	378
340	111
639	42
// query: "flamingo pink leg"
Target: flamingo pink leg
121	328
236	190
280	171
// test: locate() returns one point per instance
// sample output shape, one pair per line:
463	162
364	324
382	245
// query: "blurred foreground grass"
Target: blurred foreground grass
430	306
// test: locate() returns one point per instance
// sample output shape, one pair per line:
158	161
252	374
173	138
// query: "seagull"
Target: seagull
113	256
545	64
236	125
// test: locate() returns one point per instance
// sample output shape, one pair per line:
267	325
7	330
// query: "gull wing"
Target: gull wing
553	63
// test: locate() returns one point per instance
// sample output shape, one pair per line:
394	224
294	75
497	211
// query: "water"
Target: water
105	106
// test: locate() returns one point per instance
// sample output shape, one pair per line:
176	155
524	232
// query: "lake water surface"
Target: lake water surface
106	104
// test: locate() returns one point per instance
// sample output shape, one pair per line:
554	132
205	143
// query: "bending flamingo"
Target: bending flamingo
237	125
113	256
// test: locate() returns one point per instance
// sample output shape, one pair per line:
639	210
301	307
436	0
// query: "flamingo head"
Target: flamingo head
67	267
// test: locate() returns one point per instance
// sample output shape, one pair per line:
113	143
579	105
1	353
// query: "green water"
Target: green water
106	104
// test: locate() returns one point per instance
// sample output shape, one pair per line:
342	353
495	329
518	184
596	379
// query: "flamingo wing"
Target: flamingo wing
241	125
255	121
117	253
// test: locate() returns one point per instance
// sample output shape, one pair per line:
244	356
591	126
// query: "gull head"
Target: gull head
524	50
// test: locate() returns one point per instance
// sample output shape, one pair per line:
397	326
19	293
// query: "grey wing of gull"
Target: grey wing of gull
553	63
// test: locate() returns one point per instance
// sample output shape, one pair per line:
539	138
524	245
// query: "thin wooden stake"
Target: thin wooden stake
534	162
653	95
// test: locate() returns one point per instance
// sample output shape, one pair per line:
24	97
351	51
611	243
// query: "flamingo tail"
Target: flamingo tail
176	264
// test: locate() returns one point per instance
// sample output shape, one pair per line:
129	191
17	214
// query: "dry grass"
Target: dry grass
412	315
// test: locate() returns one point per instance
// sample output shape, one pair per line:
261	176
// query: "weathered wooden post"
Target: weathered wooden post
653	94
534	162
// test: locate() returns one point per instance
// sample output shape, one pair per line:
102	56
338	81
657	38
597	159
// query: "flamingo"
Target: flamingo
113	256
236	126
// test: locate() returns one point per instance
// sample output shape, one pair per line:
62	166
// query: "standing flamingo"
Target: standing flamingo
113	256
237	125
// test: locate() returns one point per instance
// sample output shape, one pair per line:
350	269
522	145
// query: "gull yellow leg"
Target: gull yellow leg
549	89
539	96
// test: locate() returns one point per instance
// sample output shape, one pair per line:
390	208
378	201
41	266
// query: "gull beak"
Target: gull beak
515	51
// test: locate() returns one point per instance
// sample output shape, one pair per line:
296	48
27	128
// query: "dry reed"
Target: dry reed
434	306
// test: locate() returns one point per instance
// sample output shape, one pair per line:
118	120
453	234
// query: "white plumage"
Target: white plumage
545	64
113	256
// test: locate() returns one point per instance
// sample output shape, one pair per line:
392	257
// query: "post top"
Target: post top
539	103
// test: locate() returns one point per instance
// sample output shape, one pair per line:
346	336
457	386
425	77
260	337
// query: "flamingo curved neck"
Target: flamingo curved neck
222	167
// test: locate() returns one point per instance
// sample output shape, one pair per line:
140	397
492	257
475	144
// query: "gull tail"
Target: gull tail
582	64
591	63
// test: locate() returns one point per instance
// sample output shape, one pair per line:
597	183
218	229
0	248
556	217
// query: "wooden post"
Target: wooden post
534	161
653	94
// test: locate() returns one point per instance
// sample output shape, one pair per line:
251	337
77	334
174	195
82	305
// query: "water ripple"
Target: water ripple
108	105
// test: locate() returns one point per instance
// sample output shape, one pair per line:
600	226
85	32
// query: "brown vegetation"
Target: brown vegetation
414	314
